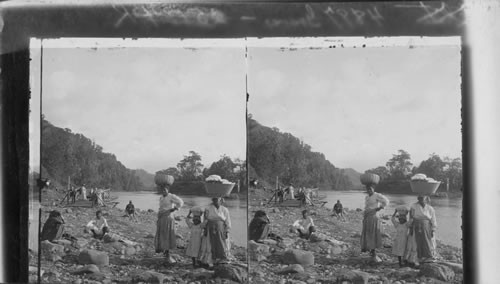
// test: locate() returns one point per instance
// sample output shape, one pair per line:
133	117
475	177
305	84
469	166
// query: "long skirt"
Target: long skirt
411	249
165	238
217	239
423	238
206	250
371	237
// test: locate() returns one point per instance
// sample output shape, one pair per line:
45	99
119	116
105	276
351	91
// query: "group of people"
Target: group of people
96	195
414	242
209	242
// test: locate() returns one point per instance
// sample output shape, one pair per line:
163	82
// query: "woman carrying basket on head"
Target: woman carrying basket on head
371	236
218	226
165	238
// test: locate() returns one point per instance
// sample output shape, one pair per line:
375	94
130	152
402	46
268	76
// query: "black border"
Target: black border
51	21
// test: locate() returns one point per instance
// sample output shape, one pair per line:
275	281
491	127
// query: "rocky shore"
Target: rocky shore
334	255
87	260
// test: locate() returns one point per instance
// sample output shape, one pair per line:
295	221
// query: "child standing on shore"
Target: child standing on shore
401	237
196	232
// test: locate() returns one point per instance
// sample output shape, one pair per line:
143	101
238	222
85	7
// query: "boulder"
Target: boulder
286	243
51	251
130	251
456	267
93	257
437	271
87	269
149	277
63	242
293	268
80	243
231	272
296	256
68	210
257	251
353	276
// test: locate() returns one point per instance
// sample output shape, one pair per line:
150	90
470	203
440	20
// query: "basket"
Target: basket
218	189
369	179
424	187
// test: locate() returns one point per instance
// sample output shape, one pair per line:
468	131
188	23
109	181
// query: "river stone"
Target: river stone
51	251
353	276
257	251
296	256
63	242
437	271
130	251
456	267
286	243
269	242
293	268
149	277
93	257
91	268
231	272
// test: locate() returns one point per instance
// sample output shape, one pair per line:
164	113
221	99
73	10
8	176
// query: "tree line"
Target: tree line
66	154
272	153
191	172
399	169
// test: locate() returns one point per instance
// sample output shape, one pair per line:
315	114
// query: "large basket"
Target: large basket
369	179
423	187
218	189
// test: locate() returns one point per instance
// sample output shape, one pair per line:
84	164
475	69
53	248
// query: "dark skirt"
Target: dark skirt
371	237
217	239
423	238
165	238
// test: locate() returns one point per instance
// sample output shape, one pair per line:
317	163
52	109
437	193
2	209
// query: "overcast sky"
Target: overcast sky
150	106
358	106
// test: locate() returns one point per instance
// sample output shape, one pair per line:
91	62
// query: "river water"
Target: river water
448	211
150	200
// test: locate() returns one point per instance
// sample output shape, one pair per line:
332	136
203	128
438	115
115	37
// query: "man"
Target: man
424	225
338	210
130	209
98	226
305	226
371	236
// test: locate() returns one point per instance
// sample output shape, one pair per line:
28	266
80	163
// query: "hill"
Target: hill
146	178
65	154
272	153
353	176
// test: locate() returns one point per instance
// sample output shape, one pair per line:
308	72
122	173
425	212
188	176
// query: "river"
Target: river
150	200
448	211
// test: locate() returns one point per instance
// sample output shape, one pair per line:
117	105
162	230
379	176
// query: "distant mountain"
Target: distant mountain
274	154
147	179
353	176
72	156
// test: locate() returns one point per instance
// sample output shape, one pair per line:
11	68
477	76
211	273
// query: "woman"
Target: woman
53	228
165	238
218	224
423	220
371	237
259	227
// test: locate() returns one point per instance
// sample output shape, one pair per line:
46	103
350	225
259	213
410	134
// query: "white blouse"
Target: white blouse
375	200
170	201
221	214
423	213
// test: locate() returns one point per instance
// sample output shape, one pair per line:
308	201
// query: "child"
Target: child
401	237
304	226
194	246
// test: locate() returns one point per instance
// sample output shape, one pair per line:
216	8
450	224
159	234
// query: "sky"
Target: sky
149	106
359	106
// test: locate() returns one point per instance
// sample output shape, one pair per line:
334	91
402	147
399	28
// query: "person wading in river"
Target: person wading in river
165	238
423	220
218	223
371	236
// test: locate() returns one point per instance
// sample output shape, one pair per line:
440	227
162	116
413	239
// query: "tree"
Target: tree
224	167
381	171
172	171
400	165
433	167
191	168
453	172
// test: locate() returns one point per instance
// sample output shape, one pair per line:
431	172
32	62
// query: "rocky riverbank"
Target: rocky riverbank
87	260
334	255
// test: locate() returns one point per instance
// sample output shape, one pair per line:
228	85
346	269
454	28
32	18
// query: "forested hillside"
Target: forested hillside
66	154
272	153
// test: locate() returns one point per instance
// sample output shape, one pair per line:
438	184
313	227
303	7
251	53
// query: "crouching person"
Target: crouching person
305	226
98	226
